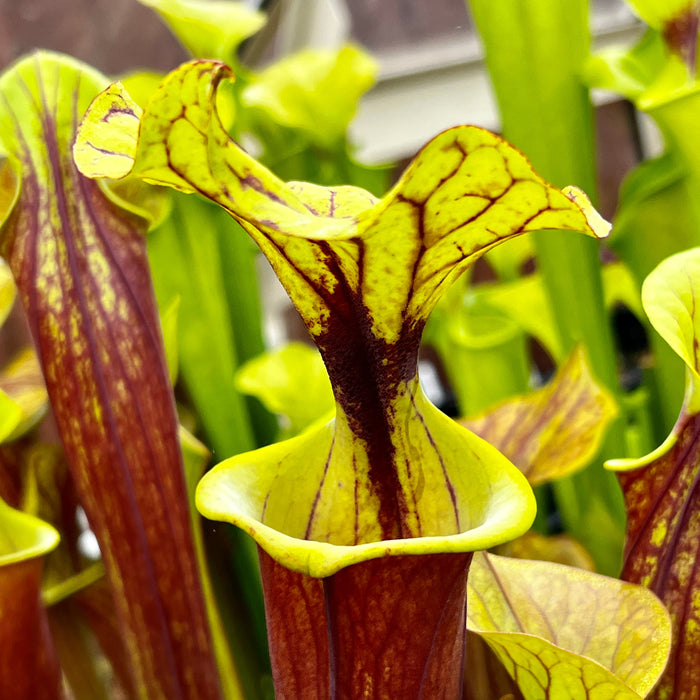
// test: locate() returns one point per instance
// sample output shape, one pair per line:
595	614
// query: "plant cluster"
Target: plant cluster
366	545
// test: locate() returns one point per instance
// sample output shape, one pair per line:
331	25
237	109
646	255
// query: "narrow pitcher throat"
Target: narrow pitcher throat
366	371
378	432
373	382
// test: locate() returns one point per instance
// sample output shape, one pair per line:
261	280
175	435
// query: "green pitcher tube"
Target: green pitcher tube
488	359
676	113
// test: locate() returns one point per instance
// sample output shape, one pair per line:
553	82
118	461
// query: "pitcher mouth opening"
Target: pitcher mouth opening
506	517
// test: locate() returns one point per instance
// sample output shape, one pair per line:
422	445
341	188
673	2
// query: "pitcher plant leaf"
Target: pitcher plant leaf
553	431
357	285
29	668
23	382
677	22
660	489
212	29
314	90
564	632
291	382
559	549
389	475
8	290
79	261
